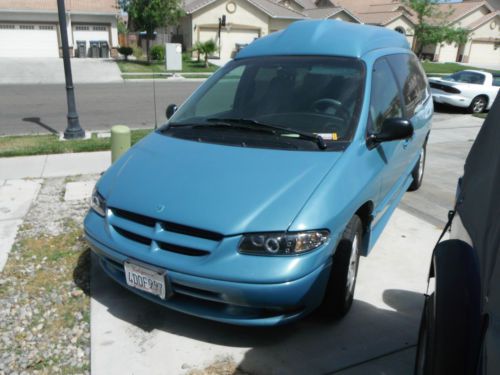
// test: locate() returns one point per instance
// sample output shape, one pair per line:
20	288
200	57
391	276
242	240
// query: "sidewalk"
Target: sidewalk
57	165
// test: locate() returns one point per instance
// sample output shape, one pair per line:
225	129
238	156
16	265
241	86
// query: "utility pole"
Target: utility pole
73	130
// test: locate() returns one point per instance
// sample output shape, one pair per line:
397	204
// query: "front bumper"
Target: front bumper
455	100
226	301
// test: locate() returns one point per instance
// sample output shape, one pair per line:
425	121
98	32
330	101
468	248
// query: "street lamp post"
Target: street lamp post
73	130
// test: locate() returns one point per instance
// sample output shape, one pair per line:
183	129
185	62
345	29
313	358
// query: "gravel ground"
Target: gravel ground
44	289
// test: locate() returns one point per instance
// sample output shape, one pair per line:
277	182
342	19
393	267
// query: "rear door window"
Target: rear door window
411	79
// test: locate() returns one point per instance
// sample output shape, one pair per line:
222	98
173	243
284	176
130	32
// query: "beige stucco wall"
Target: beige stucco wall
403	22
474	16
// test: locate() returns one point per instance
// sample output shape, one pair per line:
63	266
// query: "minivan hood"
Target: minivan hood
225	189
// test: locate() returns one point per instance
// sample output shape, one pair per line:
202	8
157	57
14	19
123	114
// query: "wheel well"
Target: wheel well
482	96
365	214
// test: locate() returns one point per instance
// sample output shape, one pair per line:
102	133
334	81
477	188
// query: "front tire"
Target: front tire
342	282
478	104
418	171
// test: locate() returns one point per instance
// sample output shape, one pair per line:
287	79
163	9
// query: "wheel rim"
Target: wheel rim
421	163
353	266
478	105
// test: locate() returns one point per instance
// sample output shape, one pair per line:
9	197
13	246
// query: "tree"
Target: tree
206	49
427	33
148	15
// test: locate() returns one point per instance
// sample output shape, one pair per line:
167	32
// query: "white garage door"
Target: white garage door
484	53
229	39
88	33
448	53
28	40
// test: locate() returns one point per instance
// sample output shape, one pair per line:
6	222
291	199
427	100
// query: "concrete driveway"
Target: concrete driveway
51	70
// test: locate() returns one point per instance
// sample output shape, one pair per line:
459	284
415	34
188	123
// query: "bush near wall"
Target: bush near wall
158	52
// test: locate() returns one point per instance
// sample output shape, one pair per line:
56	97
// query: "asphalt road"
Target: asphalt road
99	106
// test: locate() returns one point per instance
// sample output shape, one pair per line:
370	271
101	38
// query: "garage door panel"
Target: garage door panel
230	39
29	41
484	53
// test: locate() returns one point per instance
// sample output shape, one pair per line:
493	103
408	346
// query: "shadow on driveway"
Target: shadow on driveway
313	345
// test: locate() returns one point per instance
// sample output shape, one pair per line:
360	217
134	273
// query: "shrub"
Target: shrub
125	51
158	52
137	52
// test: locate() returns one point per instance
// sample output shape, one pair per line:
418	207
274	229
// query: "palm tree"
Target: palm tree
197	48
206	48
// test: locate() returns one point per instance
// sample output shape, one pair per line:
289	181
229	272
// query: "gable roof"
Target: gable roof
76	6
271	8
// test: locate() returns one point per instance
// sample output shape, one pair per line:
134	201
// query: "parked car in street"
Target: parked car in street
472	89
460	327
253	204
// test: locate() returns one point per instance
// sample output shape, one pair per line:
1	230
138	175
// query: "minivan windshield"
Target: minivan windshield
276	102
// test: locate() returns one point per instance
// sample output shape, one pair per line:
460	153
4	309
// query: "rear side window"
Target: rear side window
385	98
412	81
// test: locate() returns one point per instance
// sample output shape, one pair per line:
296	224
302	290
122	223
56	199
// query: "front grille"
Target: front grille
181	249
133	236
124	223
171	227
144	220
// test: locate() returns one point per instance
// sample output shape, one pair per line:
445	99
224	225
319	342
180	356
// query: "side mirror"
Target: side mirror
393	129
170	110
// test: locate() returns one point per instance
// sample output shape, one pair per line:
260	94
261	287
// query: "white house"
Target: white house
30	28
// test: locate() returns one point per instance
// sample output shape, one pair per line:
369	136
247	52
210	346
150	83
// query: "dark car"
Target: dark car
460	327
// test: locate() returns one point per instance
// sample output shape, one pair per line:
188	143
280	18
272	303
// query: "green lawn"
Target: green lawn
50	144
440	68
140	66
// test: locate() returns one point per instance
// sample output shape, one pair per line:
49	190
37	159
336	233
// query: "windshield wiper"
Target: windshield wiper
215	124
254	124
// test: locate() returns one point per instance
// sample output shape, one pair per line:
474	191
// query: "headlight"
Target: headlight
98	203
282	243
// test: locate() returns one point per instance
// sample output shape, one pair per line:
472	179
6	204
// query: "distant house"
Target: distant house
30	28
246	20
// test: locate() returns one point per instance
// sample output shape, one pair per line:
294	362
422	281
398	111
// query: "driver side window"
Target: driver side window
385	99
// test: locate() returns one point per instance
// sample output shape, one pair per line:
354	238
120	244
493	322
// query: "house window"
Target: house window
7	27
82	28
99	28
27	27
401	30
46	27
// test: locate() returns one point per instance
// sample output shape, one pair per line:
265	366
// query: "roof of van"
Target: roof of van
325	37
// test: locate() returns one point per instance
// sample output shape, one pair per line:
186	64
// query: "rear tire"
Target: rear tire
478	104
419	169
450	330
342	282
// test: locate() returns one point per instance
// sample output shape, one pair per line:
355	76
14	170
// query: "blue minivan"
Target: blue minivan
253	204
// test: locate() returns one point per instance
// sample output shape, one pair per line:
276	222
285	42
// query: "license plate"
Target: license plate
146	279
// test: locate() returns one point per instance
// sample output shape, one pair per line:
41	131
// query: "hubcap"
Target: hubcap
478	105
353	265
421	163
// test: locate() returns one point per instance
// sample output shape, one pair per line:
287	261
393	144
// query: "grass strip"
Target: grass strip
25	145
